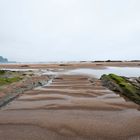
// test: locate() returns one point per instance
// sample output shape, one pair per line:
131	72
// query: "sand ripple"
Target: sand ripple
73	107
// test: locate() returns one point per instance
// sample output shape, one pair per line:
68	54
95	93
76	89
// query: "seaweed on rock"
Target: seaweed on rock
122	85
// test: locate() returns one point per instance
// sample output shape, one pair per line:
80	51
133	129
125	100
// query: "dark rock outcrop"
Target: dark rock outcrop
128	87
14	90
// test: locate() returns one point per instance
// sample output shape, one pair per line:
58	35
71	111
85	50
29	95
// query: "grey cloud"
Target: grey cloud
51	30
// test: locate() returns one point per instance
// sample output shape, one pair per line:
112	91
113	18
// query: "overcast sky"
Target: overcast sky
57	30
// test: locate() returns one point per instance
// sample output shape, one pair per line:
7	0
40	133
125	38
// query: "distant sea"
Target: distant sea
47	62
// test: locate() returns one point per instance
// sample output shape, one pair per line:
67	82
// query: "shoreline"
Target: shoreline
72	106
98	65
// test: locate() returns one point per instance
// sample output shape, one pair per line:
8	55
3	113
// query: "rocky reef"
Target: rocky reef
14	83
8	77
128	87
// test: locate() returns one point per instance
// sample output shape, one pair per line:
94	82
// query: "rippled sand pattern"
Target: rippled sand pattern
73	107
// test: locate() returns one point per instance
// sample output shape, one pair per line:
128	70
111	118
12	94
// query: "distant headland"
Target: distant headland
5	60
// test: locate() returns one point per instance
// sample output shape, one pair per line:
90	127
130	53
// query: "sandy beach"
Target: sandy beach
71	107
71	65
69	69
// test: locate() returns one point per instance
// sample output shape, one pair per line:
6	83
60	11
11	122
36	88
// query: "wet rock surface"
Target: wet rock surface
129	87
134	80
14	83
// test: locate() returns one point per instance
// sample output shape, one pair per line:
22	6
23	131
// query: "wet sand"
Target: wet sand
72	107
71	65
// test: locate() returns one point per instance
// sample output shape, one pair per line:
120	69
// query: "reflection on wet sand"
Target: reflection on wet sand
73	107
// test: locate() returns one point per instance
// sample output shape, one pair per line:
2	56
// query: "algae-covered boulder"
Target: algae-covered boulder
122	85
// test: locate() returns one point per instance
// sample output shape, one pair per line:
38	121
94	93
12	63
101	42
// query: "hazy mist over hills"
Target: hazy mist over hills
58	30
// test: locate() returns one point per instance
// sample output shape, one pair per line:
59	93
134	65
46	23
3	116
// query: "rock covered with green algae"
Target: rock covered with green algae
14	83
128	87
8	77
